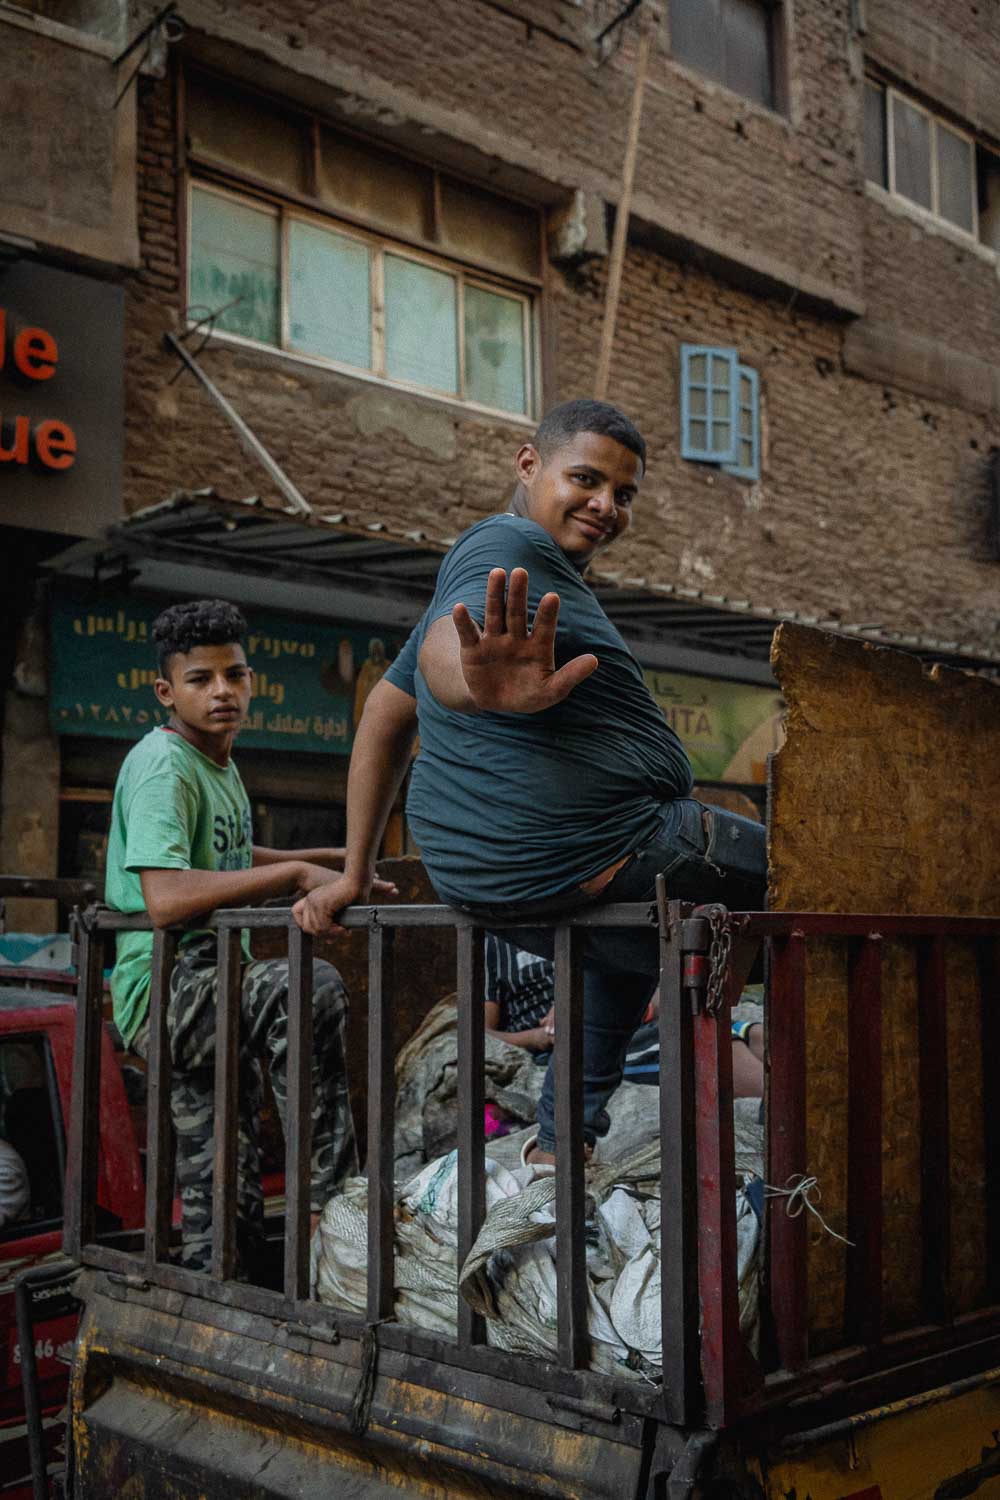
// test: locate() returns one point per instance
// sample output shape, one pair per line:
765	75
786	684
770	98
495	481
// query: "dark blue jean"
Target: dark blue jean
706	854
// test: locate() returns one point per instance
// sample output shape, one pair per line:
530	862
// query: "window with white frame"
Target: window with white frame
918	156
446	304
720	410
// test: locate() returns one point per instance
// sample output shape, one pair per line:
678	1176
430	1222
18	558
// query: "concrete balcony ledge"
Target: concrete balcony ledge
882	352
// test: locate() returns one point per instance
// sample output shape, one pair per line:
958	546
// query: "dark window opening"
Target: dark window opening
729	40
32	1153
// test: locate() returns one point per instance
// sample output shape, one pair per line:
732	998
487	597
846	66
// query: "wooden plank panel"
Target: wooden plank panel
935	1172
471	1138
298	1128
988	969
159	1137
863	1310
381	1126
786	1136
570	1247
84	1133
678	1178
226	1122
722	1357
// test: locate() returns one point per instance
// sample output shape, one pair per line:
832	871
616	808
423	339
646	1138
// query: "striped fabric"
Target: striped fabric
520	983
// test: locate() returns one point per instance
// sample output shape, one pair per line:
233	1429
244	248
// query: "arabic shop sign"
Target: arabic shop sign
727	728
310	679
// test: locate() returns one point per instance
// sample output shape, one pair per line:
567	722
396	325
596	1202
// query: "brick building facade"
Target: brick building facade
873	327
814	198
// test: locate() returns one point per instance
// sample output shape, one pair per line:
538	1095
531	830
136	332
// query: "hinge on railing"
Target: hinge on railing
694	961
706	943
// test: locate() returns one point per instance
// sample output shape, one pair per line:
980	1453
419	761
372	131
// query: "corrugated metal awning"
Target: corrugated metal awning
333	557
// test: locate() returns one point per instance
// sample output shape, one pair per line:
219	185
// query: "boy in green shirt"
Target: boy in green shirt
181	844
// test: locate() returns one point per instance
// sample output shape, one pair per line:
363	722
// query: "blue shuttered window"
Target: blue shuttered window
720	410
746	464
708	379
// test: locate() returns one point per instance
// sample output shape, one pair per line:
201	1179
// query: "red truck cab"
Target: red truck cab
36	1065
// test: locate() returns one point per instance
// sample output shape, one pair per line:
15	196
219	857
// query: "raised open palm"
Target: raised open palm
508	668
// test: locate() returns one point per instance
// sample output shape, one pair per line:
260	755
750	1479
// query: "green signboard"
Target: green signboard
727	728
310	679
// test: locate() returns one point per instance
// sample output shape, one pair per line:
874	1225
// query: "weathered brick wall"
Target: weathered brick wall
709	161
872	505
915	277
67	153
873	502
930	284
949	52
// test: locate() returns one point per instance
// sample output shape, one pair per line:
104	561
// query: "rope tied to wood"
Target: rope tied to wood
798	1192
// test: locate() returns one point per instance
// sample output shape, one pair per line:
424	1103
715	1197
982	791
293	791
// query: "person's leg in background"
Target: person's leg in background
613	1006
191	1015
706	854
265	1018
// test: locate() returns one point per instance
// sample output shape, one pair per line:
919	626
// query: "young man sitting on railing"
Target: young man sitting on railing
181	844
547	778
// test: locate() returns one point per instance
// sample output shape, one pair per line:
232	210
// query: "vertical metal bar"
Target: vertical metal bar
721	1341
381	1126
34	1430
863	1310
471	1153
80	1206
988	963
935	1168
786	1135
678	1178
226	1122
159	1152
298	1119
571	1284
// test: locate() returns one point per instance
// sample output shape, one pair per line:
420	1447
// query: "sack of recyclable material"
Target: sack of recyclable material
510	1274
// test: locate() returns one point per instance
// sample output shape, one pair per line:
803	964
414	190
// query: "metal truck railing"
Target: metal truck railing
679	1400
709	1376
868	1351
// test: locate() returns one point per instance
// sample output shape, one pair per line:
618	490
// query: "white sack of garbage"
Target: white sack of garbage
510	1274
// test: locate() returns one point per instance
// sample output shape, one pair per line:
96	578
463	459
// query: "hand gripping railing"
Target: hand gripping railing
678	1402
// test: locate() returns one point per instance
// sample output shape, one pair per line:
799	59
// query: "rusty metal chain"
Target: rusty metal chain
719	948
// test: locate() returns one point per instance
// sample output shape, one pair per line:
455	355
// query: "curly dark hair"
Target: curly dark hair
202	622
565	421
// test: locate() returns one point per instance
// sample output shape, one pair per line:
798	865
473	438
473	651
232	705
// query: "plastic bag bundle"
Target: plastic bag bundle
510	1274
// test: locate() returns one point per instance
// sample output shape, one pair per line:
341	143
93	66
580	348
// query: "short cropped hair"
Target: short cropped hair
565	421
203	622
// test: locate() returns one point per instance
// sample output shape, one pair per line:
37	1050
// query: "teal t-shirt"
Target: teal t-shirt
174	809
517	807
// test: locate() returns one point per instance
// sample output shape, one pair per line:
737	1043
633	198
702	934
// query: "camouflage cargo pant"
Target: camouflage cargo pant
263	1031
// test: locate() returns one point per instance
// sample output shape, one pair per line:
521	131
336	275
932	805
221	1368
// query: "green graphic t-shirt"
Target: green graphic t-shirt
174	809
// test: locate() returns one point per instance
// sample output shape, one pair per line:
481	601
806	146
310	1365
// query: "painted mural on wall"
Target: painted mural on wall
311	679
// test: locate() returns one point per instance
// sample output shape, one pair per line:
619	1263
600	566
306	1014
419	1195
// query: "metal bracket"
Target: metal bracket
588	1410
248	439
325	1333
120	1283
